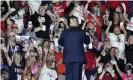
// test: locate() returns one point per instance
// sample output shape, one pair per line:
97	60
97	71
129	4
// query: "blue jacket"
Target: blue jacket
72	40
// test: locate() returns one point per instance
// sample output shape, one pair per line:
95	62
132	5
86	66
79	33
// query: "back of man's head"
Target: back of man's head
73	21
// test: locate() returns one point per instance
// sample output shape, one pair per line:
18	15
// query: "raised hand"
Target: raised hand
46	50
40	49
5	50
122	26
110	23
93	15
41	19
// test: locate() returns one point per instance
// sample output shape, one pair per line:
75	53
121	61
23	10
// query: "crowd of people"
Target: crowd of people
31	47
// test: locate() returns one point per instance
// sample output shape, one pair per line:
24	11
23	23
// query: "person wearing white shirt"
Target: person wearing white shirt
117	39
78	12
18	18
46	72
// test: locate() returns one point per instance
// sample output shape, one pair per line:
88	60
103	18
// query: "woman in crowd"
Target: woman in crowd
15	67
14	46
5	11
93	16
28	31
128	74
31	69
3	59
116	21
108	73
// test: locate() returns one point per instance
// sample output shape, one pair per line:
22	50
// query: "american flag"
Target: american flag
130	3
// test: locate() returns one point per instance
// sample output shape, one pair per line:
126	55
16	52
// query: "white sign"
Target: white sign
130	27
20	38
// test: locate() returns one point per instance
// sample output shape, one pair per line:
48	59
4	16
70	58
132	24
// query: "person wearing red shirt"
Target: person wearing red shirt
94	17
59	8
90	68
108	73
60	67
59	63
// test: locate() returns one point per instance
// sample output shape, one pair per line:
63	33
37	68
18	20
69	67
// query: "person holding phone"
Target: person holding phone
29	29
117	39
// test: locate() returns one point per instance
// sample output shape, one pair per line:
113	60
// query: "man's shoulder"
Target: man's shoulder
78	31
74	29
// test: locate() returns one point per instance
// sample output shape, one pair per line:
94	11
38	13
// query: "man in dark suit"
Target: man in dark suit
72	41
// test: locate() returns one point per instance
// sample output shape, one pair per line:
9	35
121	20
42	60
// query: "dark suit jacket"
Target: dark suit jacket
72	40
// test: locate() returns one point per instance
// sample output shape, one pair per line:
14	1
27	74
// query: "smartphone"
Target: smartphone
121	24
29	24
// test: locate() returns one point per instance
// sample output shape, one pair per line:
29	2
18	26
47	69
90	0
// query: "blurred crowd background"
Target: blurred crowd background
30	31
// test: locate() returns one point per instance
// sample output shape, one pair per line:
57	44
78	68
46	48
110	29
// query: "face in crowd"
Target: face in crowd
4	74
52	47
15	29
130	40
116	16
128	68
43	9
117	30
46	44
17	58
108	67
12	37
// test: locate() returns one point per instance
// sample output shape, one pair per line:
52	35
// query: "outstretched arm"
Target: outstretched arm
6	15
107	30
118	70
7	56
101	75
85	10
